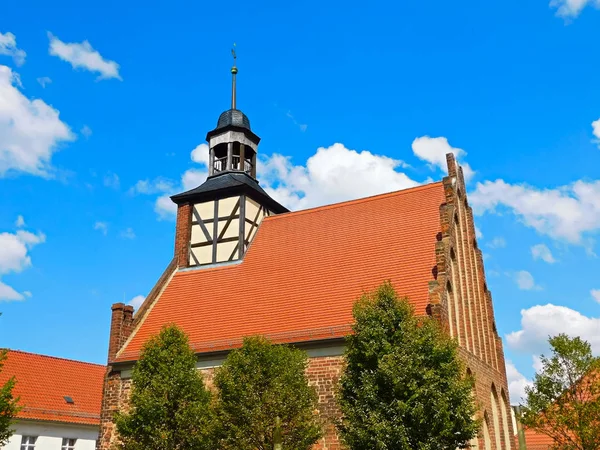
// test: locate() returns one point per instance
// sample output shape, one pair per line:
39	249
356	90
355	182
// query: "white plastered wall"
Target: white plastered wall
50	435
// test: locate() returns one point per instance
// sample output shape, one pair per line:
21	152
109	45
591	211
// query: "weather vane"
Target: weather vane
233	54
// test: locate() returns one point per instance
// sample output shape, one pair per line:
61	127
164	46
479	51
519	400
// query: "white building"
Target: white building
60	401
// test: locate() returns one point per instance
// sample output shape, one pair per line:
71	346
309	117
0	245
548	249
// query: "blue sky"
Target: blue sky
93	137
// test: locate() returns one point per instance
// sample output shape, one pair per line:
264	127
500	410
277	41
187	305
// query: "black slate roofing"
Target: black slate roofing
233	117
229	183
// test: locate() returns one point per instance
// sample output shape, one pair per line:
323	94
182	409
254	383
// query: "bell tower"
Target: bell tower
217	220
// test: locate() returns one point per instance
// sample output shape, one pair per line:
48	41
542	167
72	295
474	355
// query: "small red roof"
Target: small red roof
42	382
537	441
303	272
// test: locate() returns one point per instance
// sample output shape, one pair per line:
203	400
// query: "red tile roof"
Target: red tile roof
537	441
303	272
43	381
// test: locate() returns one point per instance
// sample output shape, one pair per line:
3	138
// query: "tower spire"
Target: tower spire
234	72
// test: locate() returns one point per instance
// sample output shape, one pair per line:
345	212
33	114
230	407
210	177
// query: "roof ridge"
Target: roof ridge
10	350
354	201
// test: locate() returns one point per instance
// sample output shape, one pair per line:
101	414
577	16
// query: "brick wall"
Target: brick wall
460	299
183	234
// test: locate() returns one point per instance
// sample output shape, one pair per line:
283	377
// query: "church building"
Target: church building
244	265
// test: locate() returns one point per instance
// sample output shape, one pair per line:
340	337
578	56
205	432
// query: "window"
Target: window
68	444
28	442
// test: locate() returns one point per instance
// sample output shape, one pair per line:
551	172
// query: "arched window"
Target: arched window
504	406
487	441
496	417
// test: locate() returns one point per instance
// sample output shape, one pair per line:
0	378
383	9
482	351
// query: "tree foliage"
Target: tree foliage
258	383
403	387
563	401
8	405
169	406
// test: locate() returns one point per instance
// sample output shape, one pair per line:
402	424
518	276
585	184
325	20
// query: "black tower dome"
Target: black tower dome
233	117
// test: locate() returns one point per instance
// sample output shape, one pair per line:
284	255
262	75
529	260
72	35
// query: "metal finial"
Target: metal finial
234	71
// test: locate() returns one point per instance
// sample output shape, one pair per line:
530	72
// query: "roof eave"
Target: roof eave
249	134
198	197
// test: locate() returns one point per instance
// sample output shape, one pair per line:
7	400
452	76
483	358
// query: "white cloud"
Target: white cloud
572	8
30	130
478	233
8	47
497	242
541	251
137	301
86	131
102	227
566	213
540	322
82	55
525	281
128	233
111	180
332	174
9	294
596	130
44	81
596	294
156	186
20	222
516	383
200	154
434	151
15	258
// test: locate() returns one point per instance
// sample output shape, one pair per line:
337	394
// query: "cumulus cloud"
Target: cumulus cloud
525	281
8	47
567	213
332	174
595	294
15	257
516	383
30	130
20	222
434	151
571	8
44	81
137	301
541	251
542	321
102	227
83	56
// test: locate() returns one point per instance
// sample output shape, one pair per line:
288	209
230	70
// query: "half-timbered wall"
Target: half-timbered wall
222	229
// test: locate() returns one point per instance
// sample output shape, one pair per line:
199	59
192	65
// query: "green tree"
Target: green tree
404	386
563	401
258	383
8	404
169	406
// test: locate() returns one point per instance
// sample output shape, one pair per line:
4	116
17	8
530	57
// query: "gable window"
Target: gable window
28	442
68	444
